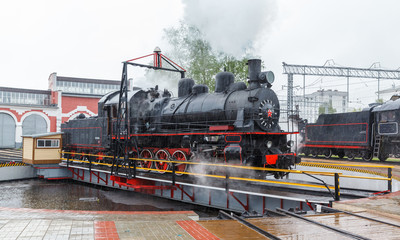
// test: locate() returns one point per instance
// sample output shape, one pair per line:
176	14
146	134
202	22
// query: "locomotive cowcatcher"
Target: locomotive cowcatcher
237	124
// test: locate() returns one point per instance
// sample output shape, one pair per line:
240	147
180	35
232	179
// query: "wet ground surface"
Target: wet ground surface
292	228
40	209
70	195
385	204
24	224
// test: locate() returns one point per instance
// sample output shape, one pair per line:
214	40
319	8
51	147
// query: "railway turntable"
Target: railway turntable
302	189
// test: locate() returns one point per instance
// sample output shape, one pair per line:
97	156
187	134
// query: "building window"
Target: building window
48	143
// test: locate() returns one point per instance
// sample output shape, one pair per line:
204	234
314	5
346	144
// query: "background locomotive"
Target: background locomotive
235	125
373	132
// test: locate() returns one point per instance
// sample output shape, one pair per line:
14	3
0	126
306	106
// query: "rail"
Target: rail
227	176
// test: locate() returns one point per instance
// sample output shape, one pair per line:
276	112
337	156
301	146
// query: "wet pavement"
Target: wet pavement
40	209
23	223
388	204
72	195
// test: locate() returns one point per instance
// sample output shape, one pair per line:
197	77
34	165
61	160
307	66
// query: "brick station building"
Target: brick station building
29	111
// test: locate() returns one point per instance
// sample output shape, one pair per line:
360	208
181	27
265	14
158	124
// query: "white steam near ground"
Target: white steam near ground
231	26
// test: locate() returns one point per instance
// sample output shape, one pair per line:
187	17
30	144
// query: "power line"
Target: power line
334	71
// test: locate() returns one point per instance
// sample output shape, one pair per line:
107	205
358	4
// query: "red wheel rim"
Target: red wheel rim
180	156
146	154
162	155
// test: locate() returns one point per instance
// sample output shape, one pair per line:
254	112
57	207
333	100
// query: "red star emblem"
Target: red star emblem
269	112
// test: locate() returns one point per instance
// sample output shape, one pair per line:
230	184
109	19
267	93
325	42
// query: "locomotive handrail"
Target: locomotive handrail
204	124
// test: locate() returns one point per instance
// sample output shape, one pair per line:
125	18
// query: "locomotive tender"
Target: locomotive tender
237	124
373	132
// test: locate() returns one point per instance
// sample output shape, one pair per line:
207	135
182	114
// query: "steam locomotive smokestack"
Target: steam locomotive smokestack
254	71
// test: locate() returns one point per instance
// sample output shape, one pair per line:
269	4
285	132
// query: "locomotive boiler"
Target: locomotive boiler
237	124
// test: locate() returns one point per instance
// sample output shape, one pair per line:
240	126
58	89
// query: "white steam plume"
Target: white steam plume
231	26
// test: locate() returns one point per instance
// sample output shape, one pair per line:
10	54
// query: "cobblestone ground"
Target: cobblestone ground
22	223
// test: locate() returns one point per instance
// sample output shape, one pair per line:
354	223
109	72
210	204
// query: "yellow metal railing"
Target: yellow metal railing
325	165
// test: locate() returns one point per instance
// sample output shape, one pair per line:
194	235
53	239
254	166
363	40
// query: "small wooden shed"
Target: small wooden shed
42	148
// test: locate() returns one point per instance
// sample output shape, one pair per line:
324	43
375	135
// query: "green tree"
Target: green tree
356	109
380	100
191	50
322	109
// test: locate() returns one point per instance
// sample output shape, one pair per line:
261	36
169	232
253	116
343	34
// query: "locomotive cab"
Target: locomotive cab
387	117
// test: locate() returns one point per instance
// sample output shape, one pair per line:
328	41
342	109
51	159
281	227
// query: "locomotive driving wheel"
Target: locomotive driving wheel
367	156
350	155
328	153
383	157
146	154
179	167
162	155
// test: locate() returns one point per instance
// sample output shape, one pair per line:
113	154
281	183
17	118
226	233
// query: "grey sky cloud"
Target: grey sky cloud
91	38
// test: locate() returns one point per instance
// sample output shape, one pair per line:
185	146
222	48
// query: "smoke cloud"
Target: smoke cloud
231	26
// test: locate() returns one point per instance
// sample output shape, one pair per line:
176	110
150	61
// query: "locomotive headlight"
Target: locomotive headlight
268	144
290	143
267	77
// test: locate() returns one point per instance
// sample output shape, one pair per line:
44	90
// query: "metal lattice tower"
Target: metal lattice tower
290	94
334	71
123	143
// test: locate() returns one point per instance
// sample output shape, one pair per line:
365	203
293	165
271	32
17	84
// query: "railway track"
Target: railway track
329	224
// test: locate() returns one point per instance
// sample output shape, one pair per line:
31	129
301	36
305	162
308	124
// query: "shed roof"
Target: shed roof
43	134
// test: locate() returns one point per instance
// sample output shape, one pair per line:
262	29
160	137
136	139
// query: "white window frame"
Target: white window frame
48	143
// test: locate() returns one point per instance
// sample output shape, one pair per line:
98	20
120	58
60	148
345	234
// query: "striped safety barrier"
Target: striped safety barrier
13	164
352	169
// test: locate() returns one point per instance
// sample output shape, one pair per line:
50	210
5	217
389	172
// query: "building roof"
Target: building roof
43	134
87	80
8	89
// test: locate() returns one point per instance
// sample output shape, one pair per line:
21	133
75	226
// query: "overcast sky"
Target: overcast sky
91	38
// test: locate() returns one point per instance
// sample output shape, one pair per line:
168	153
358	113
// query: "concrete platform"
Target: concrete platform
22	223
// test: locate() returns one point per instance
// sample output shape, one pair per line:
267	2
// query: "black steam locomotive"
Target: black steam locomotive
373	132
235	125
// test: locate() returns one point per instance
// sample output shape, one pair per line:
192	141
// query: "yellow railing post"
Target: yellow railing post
337	187
390	179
